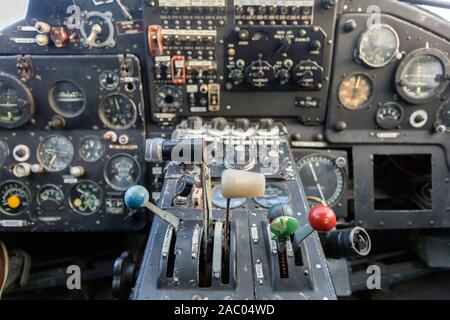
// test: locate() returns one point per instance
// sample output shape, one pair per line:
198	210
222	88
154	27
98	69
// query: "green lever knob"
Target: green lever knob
283	227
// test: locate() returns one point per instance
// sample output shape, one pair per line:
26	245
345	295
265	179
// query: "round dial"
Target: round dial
260	74
355	91
444	114
275	194
421	77
169	97
16	102
118	112
389	116
378	46
50	197
4	152
322	178
15	198
220	202
67	99
86	197
109	80
122	172
55	153
92	149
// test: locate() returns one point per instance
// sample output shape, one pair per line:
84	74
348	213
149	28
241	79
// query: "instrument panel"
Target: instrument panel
70	142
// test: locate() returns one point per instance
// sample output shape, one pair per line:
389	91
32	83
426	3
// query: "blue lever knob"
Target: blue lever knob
136	197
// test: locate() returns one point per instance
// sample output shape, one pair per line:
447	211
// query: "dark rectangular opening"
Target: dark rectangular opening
402	182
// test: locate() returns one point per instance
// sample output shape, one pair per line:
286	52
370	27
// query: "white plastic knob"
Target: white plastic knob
242	184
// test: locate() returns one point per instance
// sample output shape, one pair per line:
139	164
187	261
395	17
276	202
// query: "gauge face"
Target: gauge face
169	97
92	149
16	102
118	112
55	153
275	194
322	178
443	114
109	80
122	172
220	202
421	76
4	152
355	91
86	197
67	99
15	198
389	116
378	46
50	197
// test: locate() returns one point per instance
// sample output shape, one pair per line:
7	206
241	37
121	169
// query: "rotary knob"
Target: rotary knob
219	123
266	124
236	76
242	124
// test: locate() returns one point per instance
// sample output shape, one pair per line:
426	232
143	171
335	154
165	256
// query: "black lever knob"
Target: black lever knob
266	124
219	123
242	124
195	122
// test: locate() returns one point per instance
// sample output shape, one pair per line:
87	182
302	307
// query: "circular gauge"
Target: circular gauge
118	112
86	197
67	99
109	80
55	153
15	198
92	149
378	46
16	102
389	116
50	197
275	194
322	178
121	172
220	202
443	114
4	152
169	97
355	91
421	77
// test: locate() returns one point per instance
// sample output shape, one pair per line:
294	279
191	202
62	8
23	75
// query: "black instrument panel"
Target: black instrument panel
72	132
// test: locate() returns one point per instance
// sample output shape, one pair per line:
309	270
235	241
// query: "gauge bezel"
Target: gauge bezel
81	144
439	55
54	105
106	175
333	160
106	122
105	86
25	94
27	190
276	185
364	105
55	187
69	199
168	107
38	149
365	33
388	104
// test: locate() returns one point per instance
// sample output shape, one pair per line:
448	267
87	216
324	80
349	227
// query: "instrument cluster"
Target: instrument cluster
70	142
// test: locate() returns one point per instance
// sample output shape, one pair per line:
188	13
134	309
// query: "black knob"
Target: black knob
185	185
284	76
194	122
124	276
315	45
328	4
219	123
266	124
242	124
237	76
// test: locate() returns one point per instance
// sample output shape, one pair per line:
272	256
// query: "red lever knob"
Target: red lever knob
322	218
